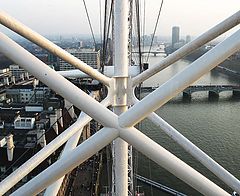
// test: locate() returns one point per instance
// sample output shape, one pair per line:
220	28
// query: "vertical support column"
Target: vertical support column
120	97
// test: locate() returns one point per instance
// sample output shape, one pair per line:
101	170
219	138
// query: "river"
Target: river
212	125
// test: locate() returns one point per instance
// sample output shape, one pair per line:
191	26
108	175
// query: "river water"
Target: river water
212	125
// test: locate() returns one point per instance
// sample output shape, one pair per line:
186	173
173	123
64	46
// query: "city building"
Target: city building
18	72
175	35
32	118
6	77
88	56
27	93
188	39
26	128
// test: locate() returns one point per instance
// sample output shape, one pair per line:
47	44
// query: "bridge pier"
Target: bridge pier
187	95
236	93
213	94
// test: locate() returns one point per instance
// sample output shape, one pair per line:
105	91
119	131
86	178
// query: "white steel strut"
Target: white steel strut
70	145
120	105
180	81
197	153
206	37
33	162
121	86
31	35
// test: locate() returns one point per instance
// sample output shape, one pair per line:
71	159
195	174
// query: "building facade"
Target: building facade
175	35
27	93
18	72
88	56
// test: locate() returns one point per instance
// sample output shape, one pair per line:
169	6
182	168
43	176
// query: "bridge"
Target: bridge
119	124
152	52
213	90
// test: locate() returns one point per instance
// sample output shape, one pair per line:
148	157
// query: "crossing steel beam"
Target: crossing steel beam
41	182
41	41
84	151
69	146
170	162
134	137
196	152
181	81
49	77
120	105
211	34
116	127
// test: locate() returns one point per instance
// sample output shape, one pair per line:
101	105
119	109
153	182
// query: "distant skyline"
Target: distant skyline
61	17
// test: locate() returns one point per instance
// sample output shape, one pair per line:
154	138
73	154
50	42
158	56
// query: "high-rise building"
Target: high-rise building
188	38
175	35
88	56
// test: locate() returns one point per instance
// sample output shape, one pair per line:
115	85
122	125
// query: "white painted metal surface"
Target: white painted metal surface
170	162
108	71
107	118
197	153
33	162
29	34
84	151
181	81
63	87
35	187
69	146
120	166
211	34
134	137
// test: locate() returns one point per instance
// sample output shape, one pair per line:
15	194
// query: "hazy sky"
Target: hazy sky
69	17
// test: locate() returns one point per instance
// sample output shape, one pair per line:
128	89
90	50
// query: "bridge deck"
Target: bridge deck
197	88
